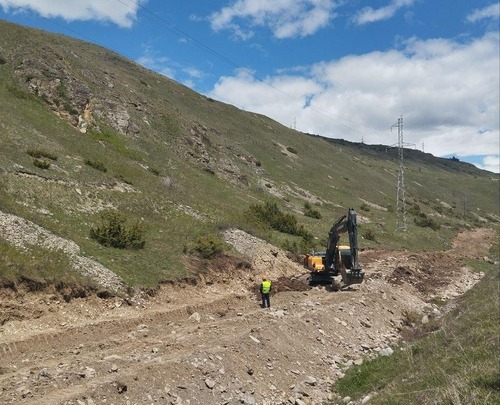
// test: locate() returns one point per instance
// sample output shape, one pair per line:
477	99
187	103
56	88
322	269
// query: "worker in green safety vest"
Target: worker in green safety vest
265	290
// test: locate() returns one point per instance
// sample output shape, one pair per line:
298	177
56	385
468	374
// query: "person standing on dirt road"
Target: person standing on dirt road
265	290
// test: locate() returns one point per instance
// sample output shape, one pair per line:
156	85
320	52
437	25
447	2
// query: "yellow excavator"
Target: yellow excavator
338	259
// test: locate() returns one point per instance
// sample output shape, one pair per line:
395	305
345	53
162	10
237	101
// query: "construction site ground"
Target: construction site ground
206	340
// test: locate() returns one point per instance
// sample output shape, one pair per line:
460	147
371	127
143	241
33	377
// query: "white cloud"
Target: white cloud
161	64
195	73
122	13
491	163
154	60
446	91
369	14
286	18
492	11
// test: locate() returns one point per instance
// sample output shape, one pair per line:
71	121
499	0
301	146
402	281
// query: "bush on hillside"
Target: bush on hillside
438	208
414	209
368	234
41	163
96	165
365	207
124	179
37	154
153	170
207	246
269	214
311	212
424	221
114	232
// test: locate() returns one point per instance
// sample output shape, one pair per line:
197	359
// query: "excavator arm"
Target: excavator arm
332	249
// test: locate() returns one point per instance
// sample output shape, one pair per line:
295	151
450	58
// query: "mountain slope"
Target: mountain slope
115	136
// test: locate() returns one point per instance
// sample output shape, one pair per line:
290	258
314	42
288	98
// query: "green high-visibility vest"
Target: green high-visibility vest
266	287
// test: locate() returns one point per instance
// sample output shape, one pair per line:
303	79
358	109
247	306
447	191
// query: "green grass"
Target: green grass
34	263
186	161
116	142
458	363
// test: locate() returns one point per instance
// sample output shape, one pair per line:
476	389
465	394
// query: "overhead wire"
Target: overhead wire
176	30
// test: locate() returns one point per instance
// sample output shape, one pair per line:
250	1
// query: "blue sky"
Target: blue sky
342	69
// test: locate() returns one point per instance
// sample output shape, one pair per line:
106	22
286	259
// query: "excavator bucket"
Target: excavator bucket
352	276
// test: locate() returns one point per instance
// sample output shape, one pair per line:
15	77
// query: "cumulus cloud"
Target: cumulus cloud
122	13
492	12
286	18
151	59
446	91
491	163
369	14
156	61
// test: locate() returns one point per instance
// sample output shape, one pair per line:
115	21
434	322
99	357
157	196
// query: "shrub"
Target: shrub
438	209
291	150
368	234
425	222
269	214
70	109
291	246
114	232
41	154
61	90
414	209
124	179
207	246
305	244
96	165
156	172
310	212
42	164
365	207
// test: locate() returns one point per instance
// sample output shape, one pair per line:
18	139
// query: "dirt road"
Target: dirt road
209	342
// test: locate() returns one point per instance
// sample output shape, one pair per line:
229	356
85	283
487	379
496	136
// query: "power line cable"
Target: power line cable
176	30
181	33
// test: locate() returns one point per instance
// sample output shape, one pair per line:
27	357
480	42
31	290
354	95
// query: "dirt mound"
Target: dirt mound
426	274
290	284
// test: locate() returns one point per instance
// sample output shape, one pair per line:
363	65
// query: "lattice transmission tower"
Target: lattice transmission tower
401	196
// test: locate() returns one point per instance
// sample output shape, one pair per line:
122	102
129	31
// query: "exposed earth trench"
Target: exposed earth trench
209	342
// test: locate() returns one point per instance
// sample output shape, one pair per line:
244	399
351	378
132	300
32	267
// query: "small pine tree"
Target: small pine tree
113	232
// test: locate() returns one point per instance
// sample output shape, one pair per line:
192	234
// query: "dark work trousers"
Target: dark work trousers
265	300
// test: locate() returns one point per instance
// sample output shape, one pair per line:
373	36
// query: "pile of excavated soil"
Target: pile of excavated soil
207	341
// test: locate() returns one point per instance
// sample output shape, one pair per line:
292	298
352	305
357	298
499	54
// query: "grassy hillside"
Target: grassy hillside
455	362
84	131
